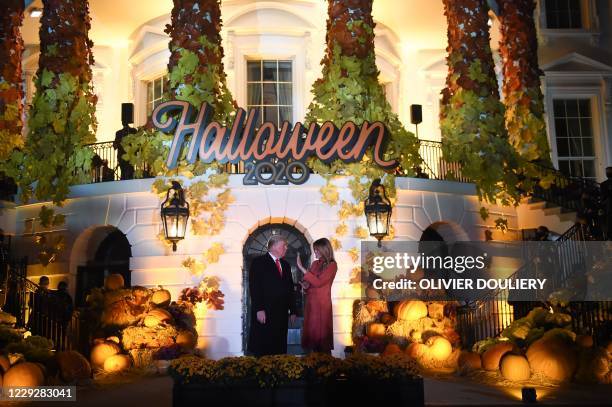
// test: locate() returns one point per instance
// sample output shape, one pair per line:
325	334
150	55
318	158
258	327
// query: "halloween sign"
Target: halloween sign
272	155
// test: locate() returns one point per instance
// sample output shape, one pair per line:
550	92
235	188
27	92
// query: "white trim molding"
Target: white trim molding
589	32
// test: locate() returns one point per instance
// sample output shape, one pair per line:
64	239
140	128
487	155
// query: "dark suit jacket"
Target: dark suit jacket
275	295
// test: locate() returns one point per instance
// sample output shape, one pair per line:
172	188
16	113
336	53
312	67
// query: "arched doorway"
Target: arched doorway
111	256
256	245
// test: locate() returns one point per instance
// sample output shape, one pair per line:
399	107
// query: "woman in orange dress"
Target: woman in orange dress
318	330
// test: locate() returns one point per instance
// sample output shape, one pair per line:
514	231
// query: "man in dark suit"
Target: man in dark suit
272	300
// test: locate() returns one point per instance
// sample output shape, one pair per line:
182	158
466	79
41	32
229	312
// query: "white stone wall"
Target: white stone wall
93	210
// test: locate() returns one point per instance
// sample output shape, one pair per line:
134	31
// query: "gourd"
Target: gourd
23	374
515	368
161	297
103	351
492	356
72	365
553	357
113	282
469	361
392	349
156	317
376	330
410	310
117	363
439	347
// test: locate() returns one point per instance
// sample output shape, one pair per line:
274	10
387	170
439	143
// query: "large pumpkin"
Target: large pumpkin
102	351
5	363
113	281
410	310
117	363
23	374
186	340
469	361
156	317
439	347
553	357
515	368
161	297
492	356
73	366
392	349
376	330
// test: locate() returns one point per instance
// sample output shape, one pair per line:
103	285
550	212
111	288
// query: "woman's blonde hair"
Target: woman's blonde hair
325	249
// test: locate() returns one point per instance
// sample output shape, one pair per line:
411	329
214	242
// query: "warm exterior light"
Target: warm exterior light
378	211
35	13
174	213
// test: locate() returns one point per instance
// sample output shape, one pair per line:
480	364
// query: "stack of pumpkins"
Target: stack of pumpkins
422	330
139	325
541	346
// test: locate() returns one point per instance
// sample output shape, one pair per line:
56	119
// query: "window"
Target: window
574	137
269	89
155	92
563	14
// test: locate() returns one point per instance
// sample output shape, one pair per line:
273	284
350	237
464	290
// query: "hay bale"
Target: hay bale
138	337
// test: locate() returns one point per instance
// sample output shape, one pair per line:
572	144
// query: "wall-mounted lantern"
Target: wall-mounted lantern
378	211
174	214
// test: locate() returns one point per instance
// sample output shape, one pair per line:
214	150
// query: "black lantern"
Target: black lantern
174	213
378	211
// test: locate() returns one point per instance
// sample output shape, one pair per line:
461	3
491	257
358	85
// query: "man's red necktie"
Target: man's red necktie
278	266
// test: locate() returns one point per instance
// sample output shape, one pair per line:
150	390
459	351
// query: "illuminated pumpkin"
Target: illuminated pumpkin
515	368
161	297
186	340
156	317
102	351
73	366
417	350
5	364
392	349
584	341
376	330
113	339
469	361
113	282
117	363
376	306
553	358
410	310
492	356
439	347
23	374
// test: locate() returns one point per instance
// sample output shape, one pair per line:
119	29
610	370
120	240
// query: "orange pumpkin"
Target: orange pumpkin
552	357
376	330
392	349
117	363
515	368
439	347
23	374
469	361
417	350
72	365
156	317
410	310
113	282
492	356
101	351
